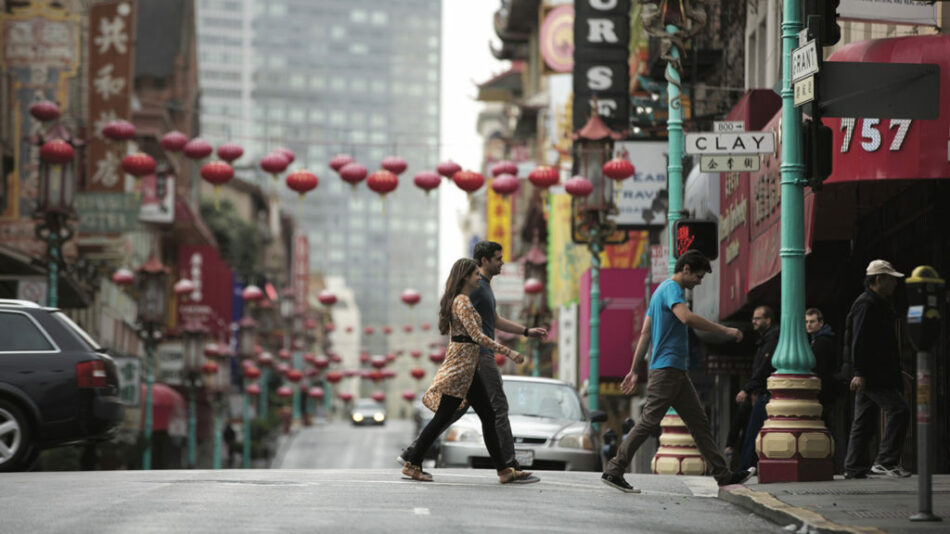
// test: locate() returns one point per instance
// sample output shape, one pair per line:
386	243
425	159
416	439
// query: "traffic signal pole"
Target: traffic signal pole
794	444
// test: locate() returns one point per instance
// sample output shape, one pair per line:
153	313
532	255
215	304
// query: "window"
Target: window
18	333
337	118
380	18
338	32
75	329
297	81
358	15
318	82
318	115
359	48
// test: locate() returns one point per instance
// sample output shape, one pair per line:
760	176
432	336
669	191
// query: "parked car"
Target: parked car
551	427
368	412
57	385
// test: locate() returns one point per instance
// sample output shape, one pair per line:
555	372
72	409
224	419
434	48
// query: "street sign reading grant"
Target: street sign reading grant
732	143
804	61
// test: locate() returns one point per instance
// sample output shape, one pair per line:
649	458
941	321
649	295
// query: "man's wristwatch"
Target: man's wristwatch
525	334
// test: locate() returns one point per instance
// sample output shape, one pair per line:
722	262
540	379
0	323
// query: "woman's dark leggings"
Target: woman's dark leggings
444	416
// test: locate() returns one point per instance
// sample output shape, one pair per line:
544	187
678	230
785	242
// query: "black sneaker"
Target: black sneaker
618	482
852	475
738	477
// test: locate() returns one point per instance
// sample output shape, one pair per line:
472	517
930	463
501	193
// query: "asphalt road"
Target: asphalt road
337	478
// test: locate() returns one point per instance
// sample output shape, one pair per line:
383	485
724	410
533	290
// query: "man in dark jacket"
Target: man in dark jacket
875	353
822	341
763	321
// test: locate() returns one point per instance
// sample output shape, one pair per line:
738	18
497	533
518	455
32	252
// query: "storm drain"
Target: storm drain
880	514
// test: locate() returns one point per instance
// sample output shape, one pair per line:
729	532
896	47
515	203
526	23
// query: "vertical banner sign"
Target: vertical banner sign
601	41
111	44
498	215
301	270
40	54
209	304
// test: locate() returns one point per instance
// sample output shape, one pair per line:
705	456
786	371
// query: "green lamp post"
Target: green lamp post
794	444
150	279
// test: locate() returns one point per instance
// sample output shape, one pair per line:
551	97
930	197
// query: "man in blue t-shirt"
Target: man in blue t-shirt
666	327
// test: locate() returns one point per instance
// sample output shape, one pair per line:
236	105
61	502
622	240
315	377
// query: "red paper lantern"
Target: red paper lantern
427	181
378	362
348	329
274	163
437	356
579	186
410	297
448	168
409	395
500	359
321	362
209	368
57	152
544	176
335	358
139	164
364	357
326	297
353	173
310	324
302	181
334	376
407	328
45	110
425	326
504	167
285	392
287	153
253	389
378	396
350	372
619	169
369	330
265	359
283	354
197	148
390	357
282	368
382	182
251	372
468	181
329	327
294	375
252	293
387	330
174	141
505	184
394	164
315	393
339	161
415	353
533	286
183	287
345	396
230	151
119	130
217	173
417	372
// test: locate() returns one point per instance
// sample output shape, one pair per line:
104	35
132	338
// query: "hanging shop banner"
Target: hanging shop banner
567	329
556	39
209	304
498	218
601	43
642	198
40	57
868	148
111	46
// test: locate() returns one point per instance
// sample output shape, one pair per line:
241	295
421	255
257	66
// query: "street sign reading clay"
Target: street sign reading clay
730	143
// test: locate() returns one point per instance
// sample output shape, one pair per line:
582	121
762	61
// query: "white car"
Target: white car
551	427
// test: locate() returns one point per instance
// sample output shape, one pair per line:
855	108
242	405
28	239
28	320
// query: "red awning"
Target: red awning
168	409
867	149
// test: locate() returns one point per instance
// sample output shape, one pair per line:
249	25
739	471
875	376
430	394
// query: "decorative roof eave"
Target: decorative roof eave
595	129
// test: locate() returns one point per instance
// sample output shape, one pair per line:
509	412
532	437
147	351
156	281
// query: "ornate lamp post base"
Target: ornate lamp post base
677	454
794	445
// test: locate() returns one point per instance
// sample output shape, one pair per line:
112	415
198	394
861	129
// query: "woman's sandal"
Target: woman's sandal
415	472
511	475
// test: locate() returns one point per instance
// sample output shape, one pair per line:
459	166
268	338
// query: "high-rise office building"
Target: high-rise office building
323	77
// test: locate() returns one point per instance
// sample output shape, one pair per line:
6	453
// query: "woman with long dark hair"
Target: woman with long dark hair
456	382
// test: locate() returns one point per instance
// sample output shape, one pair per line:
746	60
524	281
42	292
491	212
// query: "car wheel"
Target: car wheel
15	446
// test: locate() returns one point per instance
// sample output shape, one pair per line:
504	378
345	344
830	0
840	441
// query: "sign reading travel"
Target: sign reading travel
733	143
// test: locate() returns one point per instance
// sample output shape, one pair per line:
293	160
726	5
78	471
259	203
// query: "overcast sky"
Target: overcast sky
467	29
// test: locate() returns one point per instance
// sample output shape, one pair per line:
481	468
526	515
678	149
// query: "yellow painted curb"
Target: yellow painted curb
803	515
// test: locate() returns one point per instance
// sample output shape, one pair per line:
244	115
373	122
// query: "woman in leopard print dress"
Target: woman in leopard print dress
456	383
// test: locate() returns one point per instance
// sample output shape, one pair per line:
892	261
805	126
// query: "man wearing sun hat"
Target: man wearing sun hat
877	383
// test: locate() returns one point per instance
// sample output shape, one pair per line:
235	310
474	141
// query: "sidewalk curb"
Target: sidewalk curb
768	506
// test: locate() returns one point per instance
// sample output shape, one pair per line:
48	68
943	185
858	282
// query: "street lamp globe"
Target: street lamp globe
151	284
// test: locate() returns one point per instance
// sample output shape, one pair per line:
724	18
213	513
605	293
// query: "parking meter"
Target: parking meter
924	292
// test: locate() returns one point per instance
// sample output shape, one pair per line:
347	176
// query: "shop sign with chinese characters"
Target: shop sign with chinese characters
111	47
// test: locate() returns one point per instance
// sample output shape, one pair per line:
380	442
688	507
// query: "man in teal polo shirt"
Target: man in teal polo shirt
666	326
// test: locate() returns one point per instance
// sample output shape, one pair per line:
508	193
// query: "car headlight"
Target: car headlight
576	441
358	417
463	434
378	417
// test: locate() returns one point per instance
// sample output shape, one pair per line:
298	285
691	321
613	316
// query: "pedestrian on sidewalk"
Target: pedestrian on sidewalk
666	326
765	325
457	382
875	352
488	257
823	346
